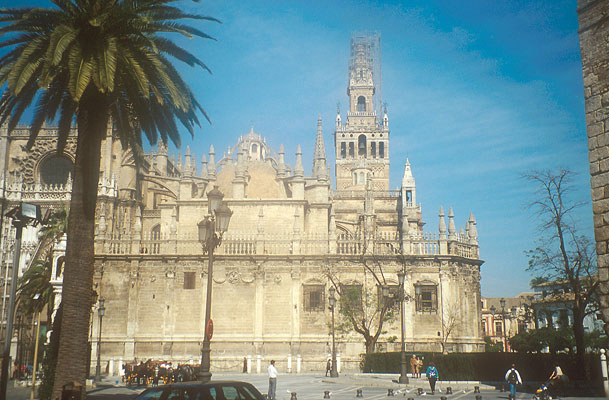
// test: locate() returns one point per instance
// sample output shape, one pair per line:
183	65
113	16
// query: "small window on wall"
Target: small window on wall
190	280
498	328
313	297
484	333
426	298
343	150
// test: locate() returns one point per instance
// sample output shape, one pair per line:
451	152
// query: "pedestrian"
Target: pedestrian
556	379
413	365
432	376
512	377
419	366
245	365
272	381
329	367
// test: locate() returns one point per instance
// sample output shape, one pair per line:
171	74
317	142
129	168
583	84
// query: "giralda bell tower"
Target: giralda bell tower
362	143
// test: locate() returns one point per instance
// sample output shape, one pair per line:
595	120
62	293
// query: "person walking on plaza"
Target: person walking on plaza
413	366
419	366
556	380
512	377
272	381
432	376
329	367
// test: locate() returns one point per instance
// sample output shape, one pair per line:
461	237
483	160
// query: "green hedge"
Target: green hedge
487	366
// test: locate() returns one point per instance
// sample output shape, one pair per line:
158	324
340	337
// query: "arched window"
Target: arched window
55	170
381	150
343	150
254	148
373	149
155	235
361	145
361	103
361	178
351	150
59	270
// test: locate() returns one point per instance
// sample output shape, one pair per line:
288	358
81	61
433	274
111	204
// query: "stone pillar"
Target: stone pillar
593	33
298	363
249	364
289	363
258	360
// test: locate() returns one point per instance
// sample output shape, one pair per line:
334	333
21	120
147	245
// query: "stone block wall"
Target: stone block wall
593	34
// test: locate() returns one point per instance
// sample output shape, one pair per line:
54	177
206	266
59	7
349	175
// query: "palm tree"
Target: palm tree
98	62
35	288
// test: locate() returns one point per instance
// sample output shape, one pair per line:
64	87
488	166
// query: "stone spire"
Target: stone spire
442	224
452	230
204	167
473	232
239	181
298	168
408	179
409	192
161	157
211	167
320	168
187	162
281	163
338	120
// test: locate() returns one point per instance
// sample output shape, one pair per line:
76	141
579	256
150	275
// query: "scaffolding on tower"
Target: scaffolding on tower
370	42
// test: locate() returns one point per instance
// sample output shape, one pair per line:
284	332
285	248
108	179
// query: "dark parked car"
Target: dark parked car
214	390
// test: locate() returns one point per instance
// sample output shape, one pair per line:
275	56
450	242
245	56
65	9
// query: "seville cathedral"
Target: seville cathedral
293	234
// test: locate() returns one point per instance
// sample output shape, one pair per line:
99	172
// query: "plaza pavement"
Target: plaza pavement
311	386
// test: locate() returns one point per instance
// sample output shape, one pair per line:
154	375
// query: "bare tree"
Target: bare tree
362	309
563	256
450	322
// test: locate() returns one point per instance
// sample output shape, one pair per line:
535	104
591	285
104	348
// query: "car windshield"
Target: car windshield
151	395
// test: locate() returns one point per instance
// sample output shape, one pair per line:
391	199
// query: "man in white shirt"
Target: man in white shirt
272	381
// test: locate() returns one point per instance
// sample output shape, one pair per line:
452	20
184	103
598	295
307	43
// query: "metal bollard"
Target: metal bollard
326	394
359	393
478	397
419	391
389	392
476	389
449	390
293	396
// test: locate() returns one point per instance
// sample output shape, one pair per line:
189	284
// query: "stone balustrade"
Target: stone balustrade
241	243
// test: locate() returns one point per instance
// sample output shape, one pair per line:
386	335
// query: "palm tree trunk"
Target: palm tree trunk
77	288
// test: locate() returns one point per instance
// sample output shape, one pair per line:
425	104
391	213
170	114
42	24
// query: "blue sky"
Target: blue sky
477	93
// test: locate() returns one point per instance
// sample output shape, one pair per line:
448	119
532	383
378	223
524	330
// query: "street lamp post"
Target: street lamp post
101	310
403	371
332	300
502	302
493	311
211	229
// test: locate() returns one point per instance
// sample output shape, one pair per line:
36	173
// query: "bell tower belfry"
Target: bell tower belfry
362	143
